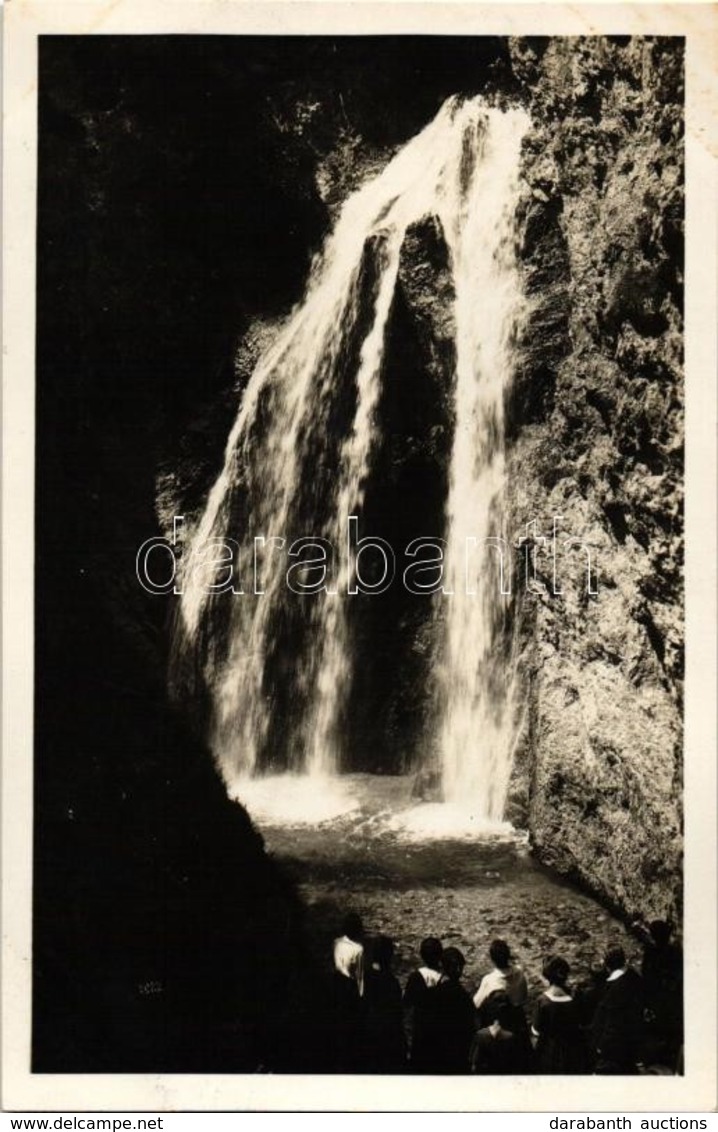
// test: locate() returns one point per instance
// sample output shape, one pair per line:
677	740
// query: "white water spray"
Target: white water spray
462	169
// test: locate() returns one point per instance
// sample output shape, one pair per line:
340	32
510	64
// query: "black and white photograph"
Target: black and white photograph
359	514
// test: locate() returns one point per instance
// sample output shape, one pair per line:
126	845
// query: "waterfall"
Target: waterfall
299	456
476	685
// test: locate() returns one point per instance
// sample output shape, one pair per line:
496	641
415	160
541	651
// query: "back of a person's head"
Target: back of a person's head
499	1010
500	954
556	971
382	952
453	962
352	926
431	951
660	931
615	959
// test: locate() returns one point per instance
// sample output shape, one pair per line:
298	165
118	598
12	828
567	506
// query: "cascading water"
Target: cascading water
476	685
295	464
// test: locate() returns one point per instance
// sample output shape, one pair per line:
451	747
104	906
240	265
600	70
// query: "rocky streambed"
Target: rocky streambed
397	864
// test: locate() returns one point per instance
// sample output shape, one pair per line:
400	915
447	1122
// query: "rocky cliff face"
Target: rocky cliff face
597	439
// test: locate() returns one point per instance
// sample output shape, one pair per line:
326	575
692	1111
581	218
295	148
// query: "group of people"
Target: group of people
618	1021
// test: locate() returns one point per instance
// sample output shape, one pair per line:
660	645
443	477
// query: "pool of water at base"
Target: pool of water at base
412	869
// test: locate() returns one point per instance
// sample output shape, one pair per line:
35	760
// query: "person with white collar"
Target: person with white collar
617	1027
348	989
419	1007
556	1024
506	978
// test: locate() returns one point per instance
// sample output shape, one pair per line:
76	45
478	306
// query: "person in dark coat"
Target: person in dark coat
617	1027
497	1049
560	1047
419	1007
505	980
662	971
454	1017
383	1036
587	996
